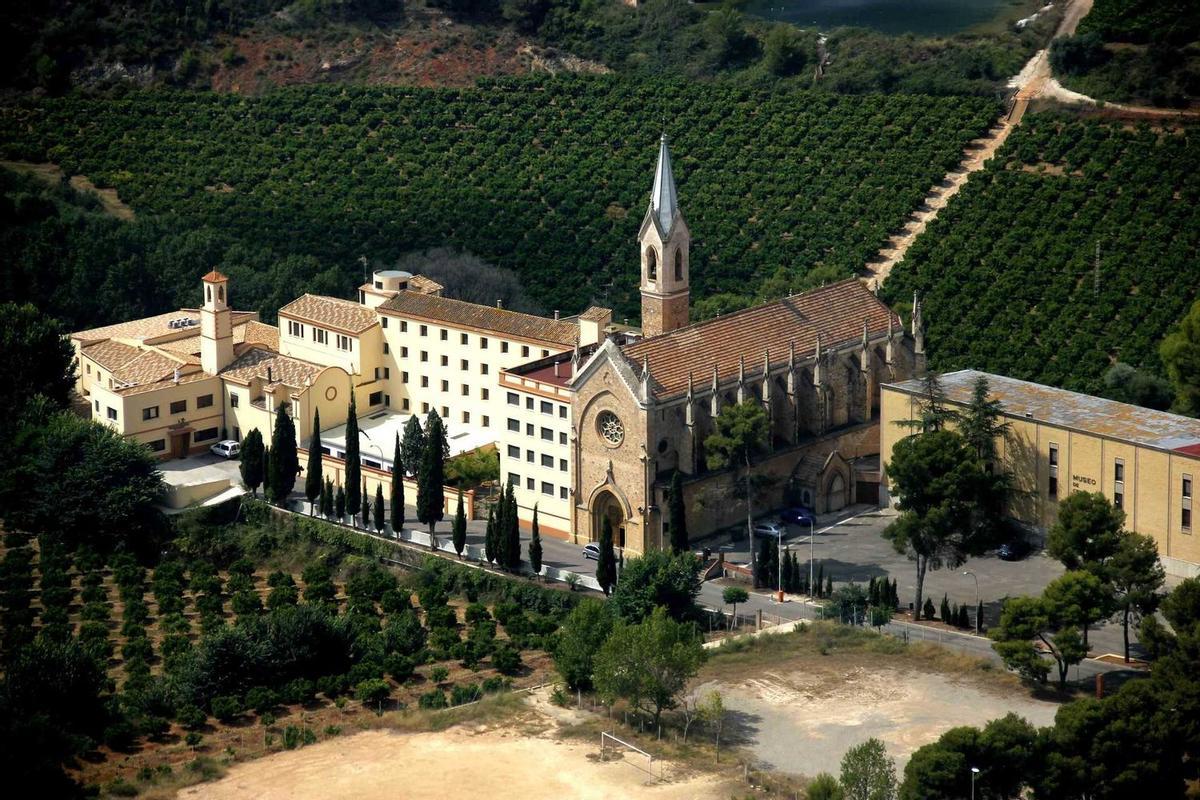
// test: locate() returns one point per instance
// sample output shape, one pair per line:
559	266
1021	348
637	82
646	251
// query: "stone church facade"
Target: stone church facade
643	409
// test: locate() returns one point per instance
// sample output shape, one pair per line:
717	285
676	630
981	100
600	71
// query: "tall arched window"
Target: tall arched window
221	291
678	265
651	264
208	293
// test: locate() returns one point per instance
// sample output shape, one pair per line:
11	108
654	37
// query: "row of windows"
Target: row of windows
319	335
178	407
208	434
547	460
530	430
532	485
465	416
464	389
463	338
1185	510
463	364
545	406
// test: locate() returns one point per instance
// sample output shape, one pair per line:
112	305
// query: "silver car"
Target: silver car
226	449
772	530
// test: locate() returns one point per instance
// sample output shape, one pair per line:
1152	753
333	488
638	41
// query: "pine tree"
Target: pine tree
313	483
677	516
378	511
535	544
489	538
606	564
397	490
512	549
459	531
252	461
354	496
284	461
431	479
340	504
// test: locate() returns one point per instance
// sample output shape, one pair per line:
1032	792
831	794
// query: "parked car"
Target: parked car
772	530
227	448
1014	550
591	550
798	515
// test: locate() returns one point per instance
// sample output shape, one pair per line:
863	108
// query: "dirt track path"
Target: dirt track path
52	174
1030	82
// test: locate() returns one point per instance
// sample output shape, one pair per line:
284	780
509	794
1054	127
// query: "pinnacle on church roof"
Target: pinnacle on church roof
664	201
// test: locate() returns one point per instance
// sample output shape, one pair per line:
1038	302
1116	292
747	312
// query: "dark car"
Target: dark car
1014	550
798	515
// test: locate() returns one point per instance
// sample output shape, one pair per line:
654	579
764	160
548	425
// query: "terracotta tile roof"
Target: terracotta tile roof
499	321
148	367
194	376
836	312
419	283
332	312
156	327
110	354
255	363
596	314
213	277
260	333
1072	410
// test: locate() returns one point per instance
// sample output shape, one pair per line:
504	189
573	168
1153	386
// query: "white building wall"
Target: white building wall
534	439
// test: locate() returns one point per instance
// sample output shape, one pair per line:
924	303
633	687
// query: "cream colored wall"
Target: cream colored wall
129	408
1152	486
554	511
451	404
361	358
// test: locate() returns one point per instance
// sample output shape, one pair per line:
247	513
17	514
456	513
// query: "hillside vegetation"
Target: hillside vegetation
1020	242
286	192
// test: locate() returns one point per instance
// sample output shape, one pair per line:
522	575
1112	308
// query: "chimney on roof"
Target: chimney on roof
177	374
269	378
556	369
499	303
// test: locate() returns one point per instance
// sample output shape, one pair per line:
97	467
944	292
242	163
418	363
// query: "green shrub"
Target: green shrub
261	699
434	699
191	717
441	617
119	788
439	674
298	691
193	740
372	691
399	666
506	659
468	693
226	708
96	612
476	612
494	684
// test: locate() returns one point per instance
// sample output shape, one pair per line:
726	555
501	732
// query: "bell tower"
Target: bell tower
216	324
665	242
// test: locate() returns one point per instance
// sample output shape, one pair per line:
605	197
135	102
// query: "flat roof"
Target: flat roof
378	433
1072	410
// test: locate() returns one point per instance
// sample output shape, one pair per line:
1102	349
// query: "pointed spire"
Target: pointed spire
689	409
714	401
817	363
766	362
664	201
791	355
890	355
766	379
690	393
918	326
864	355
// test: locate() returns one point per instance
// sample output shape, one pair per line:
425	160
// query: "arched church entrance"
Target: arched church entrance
607	506
835	495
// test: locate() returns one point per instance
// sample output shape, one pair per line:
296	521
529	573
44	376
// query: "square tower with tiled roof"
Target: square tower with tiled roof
216	324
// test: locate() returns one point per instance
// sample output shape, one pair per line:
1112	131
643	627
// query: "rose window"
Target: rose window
610	427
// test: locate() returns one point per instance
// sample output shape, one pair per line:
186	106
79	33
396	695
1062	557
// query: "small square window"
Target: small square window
445	386
445	361
444	334
525	351
529	484
404	326
483	343
504	347
545	353
424	381
530	456
466	390
562	438
150	413
547	434
514	479
547	407
424	330
513	399
464	365
179	406
547	461
513	425
462	338
204	401
375	399
514	451
562	493
112	413
548	488
483	393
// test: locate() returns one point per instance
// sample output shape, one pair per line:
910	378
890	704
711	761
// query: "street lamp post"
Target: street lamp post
976	577
974	772
811	536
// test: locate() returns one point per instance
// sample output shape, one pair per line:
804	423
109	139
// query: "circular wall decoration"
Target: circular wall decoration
331	393
609	426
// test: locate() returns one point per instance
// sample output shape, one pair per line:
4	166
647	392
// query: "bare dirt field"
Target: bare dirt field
501	764
802	718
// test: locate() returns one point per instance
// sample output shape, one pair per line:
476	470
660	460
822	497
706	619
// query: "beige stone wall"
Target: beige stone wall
1152	489
604	467
156	431
335	470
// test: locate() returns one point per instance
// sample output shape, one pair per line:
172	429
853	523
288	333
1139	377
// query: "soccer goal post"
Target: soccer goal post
608	740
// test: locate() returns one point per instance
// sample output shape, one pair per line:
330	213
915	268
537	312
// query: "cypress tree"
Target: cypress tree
500	529
489	539
266	471
459	532
431	479
872	592
786	566
829	586
513	547
397	490
366	506
354	497
927	611
895	598
820	582
413	447
378	510
313	484
796	575
285	463
340	504
606	565
766	563
252	461
979	616
535	545
327	498
677	516
944	610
